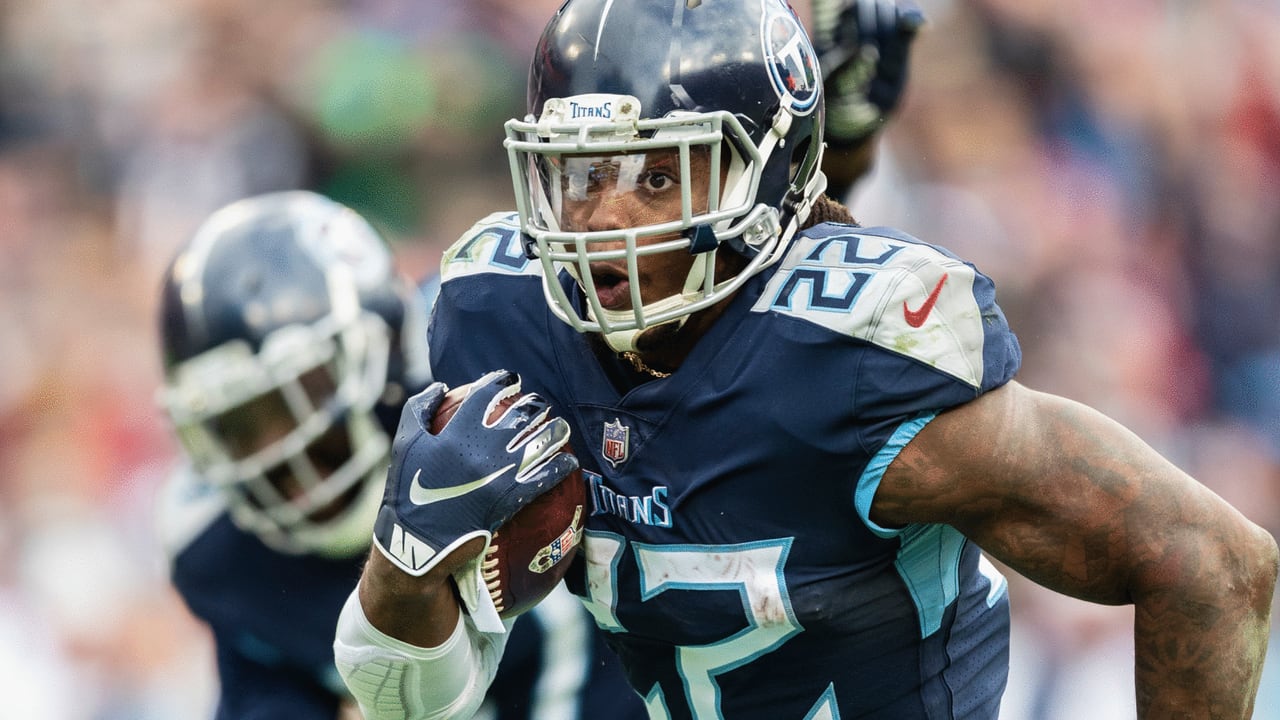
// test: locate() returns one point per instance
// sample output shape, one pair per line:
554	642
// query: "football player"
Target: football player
289	344
800	435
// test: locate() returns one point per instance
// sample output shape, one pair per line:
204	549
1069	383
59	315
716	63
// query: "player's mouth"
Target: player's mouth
613	287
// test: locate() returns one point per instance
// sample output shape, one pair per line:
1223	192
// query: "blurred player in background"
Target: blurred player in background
800	435
863	48
290	342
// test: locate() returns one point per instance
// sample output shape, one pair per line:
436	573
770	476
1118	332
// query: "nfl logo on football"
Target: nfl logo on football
616	442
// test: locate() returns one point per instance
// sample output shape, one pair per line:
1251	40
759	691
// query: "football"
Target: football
530	553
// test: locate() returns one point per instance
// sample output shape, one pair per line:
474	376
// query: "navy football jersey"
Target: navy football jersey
729	557
272	616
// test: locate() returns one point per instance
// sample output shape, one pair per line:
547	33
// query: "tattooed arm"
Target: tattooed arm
1079	504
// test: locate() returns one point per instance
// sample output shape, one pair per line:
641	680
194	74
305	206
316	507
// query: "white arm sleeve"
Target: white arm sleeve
393	680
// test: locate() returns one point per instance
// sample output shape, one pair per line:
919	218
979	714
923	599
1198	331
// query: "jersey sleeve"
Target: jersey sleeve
490	304
940	337
185	509
937	337
492	245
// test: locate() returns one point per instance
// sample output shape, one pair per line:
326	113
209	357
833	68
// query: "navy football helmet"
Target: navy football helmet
289	345
729	84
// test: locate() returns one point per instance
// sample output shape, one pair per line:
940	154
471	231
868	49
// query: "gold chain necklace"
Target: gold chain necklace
642	367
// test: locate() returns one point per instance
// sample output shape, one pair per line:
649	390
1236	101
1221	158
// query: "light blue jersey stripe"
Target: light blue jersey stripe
929	559
870	480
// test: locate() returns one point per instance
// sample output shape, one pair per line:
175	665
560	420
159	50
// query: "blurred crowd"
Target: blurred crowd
1115	166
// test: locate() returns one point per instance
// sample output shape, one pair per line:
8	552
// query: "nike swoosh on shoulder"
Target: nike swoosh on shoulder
419	495
916	318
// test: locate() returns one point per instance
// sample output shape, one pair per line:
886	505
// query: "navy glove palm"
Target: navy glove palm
863	48
445	489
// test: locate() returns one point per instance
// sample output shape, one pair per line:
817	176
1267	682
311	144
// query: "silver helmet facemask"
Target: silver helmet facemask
319	385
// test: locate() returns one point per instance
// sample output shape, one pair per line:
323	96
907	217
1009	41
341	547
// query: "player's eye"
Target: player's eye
657	180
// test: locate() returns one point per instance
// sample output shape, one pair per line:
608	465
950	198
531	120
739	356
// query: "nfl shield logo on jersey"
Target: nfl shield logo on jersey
616	442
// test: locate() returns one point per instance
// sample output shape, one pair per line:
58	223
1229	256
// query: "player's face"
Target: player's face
266	421
612	192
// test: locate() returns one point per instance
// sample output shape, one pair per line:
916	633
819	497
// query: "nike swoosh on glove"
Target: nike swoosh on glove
445	489
863	48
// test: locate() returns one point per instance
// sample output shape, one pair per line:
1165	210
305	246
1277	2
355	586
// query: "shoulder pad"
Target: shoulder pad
889	289
187	507
492	245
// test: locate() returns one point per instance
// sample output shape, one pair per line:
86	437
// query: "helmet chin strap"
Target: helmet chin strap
625	340
621	341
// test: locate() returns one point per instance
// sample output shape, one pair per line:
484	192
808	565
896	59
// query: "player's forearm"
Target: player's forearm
419	611
1200	575
1082	506
1200	641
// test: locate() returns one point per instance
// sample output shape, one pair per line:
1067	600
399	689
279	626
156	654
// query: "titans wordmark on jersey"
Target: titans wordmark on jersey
729	557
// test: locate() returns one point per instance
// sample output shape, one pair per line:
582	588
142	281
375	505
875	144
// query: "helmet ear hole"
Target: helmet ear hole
800	156
801	171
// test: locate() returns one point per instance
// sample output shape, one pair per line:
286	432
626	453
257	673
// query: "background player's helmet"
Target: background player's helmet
289	345
736	78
